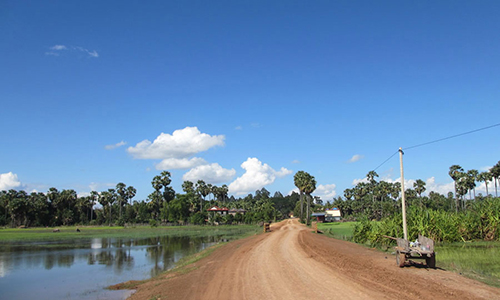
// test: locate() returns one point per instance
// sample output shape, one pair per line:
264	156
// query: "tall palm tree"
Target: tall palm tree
472	178
120	189
93	197
300	181
495	172
485	177
455	173
308	190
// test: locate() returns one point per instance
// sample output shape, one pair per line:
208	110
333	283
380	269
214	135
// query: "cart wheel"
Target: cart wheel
431	261
400	259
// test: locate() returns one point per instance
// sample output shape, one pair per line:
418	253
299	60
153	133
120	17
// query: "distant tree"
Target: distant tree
495	173
300	181
456	172
485	177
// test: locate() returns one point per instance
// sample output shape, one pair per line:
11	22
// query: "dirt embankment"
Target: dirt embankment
293	263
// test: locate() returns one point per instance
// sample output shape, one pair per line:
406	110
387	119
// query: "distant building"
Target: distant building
332	215
219	210
320	216
234	211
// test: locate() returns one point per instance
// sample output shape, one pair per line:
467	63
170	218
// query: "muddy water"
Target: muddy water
82	269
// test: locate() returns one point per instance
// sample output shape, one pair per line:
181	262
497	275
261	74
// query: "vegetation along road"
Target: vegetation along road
291	262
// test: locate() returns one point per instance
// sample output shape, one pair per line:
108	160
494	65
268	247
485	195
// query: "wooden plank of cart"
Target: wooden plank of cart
423	250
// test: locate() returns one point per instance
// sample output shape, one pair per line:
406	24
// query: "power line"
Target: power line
386	161
450	137
435	141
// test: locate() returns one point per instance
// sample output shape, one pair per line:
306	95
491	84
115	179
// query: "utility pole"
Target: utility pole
403	198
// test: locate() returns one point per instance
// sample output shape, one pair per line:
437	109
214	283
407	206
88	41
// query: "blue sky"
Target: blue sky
245	93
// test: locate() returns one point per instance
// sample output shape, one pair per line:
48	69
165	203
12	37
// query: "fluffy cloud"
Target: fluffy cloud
117	145
326	191
212	173
355	158
181	163
181	143
256	176
9	181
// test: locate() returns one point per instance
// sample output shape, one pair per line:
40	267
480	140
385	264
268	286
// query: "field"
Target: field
66	233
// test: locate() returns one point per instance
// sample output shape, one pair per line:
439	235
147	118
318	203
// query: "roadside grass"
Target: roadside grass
476	260
338	230
87	232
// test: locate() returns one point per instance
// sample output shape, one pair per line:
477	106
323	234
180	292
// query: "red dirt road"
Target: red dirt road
291	262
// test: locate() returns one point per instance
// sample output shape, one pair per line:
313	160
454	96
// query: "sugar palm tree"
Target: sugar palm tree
485	177
300	181
455	173
472	178
310	187
495	173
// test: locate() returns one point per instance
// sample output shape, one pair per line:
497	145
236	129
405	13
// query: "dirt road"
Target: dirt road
291	262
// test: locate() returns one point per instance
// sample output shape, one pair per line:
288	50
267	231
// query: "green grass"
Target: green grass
338	230
69	233
476	260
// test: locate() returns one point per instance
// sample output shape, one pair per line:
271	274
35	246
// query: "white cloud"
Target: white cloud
181	144
9	181
212	173
295	161
90	53
355	158
117	145
326	191
180	163
256	176
100	186
54	48
58	47
238	128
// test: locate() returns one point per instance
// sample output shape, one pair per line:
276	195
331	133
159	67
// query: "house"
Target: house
219	210
234	211
332	215
320	216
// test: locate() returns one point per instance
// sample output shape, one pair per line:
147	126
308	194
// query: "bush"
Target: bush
153	223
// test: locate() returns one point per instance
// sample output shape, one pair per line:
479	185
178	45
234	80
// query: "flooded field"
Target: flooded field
81	269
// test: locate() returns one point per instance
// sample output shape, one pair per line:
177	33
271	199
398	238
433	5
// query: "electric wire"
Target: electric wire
450	137
438	140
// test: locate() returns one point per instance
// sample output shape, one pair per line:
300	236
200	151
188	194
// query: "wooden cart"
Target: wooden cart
425	250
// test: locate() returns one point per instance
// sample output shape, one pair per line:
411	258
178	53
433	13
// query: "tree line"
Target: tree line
163	205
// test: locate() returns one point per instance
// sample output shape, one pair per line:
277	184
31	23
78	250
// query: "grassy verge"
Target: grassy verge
342	231
69	233
476	260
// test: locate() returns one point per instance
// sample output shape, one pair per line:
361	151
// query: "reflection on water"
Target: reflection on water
81	269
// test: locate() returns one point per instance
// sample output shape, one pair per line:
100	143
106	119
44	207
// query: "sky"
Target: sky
245	93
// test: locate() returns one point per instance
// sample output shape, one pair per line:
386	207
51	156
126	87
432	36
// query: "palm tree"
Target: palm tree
472	178
203	191
495	173
485	177
120	189
308	190
300	181
93	197
455	173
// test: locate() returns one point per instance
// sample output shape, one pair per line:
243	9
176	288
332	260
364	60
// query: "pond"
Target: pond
81	269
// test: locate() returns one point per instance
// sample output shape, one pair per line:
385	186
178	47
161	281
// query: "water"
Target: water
81	269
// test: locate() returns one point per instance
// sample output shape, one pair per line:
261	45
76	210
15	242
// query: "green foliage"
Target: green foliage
153	223
480	222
